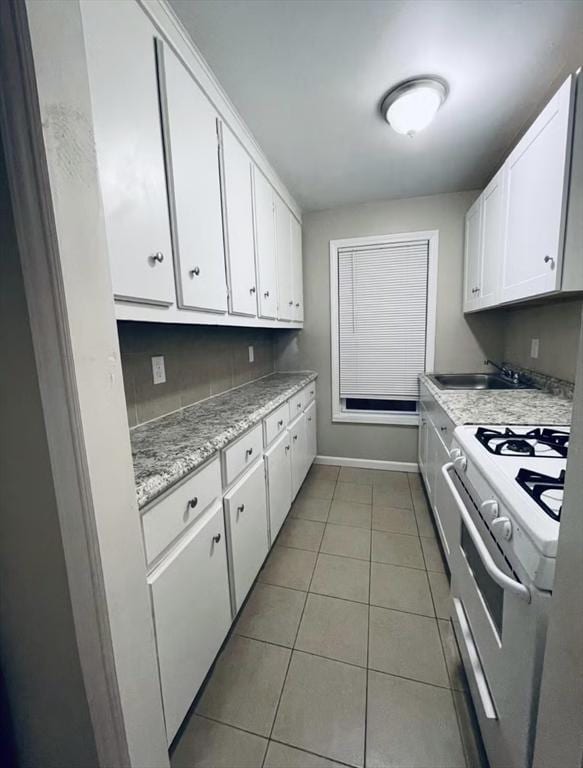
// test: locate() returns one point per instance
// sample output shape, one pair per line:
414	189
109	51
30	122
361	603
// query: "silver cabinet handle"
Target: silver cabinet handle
309	418
249	451
443	429
504	581
217	538
195	271
193	502
295	437
299	405
297	303
241	508
549	260
286	448
158	257
252	289
280	423
266	294
311	392
290	303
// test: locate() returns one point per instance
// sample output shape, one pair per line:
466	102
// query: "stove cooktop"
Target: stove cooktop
549	442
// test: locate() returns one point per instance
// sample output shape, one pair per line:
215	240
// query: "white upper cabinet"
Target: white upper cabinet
121	59
536	175
285	299
239	240
472	264
297	271
263	197
192	151
491	240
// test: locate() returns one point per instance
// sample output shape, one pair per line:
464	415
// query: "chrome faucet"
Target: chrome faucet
506	371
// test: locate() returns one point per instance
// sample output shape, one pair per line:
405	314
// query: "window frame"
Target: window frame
339	413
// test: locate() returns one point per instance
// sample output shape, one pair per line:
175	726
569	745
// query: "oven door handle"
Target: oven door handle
504	581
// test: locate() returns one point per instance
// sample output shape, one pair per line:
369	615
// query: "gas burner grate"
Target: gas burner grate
544	489
545	441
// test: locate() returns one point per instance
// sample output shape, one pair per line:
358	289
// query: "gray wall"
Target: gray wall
40	667
557	327
462	344
200	361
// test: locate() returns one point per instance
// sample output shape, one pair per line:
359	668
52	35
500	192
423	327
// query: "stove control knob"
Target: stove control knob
489	509
460	462
503	526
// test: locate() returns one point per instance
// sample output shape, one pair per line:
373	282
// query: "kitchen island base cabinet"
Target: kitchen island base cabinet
278	466
192	613
246	523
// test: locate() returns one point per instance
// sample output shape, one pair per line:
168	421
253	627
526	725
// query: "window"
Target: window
383	297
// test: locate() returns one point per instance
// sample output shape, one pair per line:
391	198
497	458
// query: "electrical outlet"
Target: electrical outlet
251	354
158	370
534	348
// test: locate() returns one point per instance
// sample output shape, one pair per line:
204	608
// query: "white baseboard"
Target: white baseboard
390	466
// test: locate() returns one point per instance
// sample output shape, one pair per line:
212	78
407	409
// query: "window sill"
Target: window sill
354	417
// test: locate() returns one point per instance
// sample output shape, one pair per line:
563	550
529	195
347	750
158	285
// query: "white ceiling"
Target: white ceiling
307	76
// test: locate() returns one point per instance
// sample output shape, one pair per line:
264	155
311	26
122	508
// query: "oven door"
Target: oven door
497	625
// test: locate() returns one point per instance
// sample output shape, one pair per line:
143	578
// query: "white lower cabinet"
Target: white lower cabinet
279	478
192	613
297	435
311	445
246	523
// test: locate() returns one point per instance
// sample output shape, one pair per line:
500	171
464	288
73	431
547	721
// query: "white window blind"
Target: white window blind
382	316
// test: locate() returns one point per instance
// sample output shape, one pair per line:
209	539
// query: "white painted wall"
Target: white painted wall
461	344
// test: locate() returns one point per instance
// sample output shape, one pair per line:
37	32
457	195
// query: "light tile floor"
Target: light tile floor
344	654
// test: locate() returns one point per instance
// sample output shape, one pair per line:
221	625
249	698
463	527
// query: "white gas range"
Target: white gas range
506	485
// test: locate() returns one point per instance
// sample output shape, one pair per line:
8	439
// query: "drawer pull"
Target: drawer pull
280	423
193	502
286	448
299	405
311	392
443	429
241	508
295	437
309	418
217	538
248	452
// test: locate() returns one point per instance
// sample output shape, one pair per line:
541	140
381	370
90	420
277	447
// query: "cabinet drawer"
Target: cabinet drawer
309	392
246	522
275	423
242	454
174	513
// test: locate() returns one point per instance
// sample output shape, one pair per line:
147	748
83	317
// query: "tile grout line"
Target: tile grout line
364	759
294	644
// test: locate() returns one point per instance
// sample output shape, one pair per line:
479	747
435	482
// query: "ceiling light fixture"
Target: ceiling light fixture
410	106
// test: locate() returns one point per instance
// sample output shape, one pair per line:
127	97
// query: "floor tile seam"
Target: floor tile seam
411	679
292	649
367	653
316	754
442	641
346	557
414	510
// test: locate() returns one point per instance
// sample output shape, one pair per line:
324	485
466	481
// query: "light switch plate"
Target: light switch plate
251	354
158	369
534	343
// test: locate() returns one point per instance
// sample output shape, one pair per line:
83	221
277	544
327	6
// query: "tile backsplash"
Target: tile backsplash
200	361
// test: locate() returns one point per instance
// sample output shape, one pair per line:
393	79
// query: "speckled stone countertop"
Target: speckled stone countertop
517	406
168	448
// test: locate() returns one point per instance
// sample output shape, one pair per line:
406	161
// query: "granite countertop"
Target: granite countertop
517	406
168	448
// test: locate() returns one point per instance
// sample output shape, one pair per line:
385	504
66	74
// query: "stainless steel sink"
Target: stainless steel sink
475	381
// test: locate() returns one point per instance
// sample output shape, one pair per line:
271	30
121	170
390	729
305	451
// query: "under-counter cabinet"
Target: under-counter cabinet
279	482
192	155
238	224
299	452
192	612
311	444
537	172
119	41
246	522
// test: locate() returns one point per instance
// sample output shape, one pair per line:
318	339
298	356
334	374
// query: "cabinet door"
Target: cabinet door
265	245
192	151
285	301
246	517
423	448
445	513
239	242
278	465
192	613
536	174
121	60
492	240
297	432
472	256
311	445
297	271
